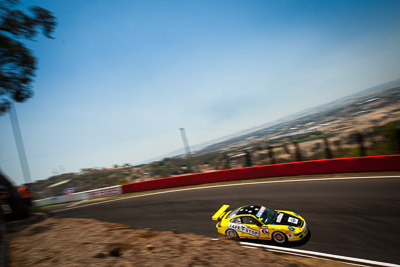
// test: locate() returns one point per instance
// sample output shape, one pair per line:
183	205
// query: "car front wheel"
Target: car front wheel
279	237
231	233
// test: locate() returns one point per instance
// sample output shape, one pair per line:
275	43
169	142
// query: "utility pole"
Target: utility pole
187	148
20	144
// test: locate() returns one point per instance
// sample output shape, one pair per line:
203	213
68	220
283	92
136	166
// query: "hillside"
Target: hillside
337	112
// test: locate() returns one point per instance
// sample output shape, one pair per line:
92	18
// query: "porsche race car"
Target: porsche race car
260	222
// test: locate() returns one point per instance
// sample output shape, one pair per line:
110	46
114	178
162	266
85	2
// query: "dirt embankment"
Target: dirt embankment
86	242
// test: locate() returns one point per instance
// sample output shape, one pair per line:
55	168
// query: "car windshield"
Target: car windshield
267	216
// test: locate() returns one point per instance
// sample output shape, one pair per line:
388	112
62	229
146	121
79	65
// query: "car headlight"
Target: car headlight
291	229
304	227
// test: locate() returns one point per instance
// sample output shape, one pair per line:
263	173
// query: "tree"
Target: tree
328	151
17	64
298	154
360	141
271	154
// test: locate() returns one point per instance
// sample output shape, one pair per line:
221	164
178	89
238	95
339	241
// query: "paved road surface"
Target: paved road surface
356	217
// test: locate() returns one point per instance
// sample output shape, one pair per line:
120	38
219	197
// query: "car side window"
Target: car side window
250	220
236	220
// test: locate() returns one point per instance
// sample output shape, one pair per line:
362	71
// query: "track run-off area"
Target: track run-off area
349	216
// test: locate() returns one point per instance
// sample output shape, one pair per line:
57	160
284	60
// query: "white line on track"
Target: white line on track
227	185
314	257
320	255
76	203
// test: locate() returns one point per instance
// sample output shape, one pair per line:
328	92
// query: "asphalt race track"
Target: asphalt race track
349	217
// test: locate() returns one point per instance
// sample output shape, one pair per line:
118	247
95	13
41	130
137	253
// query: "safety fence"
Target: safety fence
327	166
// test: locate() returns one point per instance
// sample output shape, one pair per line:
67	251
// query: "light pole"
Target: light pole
187	148
20	144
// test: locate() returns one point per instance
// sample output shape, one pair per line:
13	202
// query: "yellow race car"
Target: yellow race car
259	222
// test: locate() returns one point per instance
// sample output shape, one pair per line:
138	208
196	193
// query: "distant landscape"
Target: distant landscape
363	124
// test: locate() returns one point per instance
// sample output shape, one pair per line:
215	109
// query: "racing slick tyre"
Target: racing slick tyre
279	238
232	233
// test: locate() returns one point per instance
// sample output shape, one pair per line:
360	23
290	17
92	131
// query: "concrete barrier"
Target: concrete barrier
61	199
104	192
345	165
328	166
91	194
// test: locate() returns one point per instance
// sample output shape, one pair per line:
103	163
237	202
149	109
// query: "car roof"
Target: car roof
250	209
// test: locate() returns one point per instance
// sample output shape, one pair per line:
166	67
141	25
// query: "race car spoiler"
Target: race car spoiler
220	213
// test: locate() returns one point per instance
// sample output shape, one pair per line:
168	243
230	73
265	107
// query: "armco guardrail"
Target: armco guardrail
345	165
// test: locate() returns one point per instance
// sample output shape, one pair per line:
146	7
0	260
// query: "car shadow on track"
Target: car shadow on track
288	244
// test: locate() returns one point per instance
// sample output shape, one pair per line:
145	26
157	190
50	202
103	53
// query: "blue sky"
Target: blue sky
121	77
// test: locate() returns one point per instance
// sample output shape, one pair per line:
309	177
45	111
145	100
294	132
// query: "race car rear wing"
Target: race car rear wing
220	213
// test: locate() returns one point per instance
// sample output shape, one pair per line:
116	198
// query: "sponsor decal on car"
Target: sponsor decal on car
264	231
250	237
243	229
279	218
293	220
260	212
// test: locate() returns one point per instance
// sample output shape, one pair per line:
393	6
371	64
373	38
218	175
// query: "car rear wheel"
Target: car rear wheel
231	233
279	238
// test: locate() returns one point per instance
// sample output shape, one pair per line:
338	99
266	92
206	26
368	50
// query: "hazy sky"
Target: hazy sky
121	77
